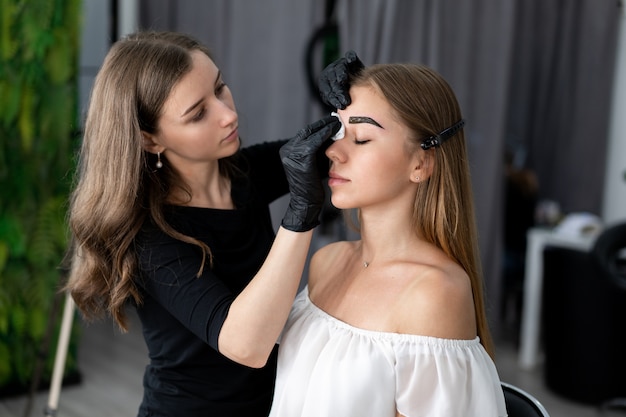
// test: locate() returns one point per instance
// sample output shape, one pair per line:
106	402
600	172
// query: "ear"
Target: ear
149	144
423	162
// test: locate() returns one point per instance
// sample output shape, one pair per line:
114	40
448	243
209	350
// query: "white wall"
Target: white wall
96	39
128	17
94	46
614	204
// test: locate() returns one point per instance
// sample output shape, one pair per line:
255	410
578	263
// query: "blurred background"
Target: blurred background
543	89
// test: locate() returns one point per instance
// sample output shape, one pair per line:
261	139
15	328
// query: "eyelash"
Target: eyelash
220	88
218	91
199	115
360	142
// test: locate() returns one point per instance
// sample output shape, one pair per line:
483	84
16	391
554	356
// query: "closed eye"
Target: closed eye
360	142
199	115
219	89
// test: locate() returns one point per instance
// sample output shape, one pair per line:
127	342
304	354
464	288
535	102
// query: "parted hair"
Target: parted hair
117	187
443	211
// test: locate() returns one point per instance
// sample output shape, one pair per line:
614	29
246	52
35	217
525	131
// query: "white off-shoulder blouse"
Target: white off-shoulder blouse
329	368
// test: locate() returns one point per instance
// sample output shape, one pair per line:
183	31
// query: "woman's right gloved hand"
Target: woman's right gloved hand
334	81
299	156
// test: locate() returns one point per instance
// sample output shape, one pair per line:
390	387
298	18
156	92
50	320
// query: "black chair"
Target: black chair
584	319
612	407
520	403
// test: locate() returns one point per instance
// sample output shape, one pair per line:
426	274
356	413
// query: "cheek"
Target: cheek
384	165
388	174
374	177
191	141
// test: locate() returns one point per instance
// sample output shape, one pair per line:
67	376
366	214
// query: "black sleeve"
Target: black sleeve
169	277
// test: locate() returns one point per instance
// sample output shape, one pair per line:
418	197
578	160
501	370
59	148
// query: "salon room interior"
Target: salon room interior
542	86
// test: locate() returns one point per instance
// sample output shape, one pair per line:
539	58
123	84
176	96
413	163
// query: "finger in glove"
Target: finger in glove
354	63
300	158
334	81
310	138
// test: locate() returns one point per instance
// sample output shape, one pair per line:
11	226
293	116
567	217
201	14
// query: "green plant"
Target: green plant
39	43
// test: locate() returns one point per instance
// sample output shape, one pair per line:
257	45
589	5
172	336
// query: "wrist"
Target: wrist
301	217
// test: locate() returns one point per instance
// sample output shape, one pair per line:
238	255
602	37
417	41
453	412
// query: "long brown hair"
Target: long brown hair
117	186
443	211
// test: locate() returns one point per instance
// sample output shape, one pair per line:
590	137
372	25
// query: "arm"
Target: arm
242	327
257	316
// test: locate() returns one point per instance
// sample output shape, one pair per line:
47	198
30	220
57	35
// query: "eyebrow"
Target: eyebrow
363	119
194	105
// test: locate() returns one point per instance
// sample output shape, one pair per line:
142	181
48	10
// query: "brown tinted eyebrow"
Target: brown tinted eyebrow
363	119
193	106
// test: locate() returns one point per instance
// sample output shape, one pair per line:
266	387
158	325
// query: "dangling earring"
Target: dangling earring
159	164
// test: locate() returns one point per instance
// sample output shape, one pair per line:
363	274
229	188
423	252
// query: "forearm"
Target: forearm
258	314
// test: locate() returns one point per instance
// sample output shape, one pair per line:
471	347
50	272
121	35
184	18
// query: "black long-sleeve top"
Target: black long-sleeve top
182	314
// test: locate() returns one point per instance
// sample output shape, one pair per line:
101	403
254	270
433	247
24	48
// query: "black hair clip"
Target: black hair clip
444	135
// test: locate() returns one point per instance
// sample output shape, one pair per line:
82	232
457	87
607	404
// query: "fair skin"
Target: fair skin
410	286
197	127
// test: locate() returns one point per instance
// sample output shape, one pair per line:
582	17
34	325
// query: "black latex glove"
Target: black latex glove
334	81
300	161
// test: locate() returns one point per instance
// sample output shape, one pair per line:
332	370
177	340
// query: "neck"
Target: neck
208	188
384	241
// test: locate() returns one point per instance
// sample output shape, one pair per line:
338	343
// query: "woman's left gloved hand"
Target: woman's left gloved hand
299	157
334	81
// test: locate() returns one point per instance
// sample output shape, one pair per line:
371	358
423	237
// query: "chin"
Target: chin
338	203
233	146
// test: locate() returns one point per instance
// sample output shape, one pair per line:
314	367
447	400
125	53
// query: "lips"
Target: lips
233	135
336	179
335	175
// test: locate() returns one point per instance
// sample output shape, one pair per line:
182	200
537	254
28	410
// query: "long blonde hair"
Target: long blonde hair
443	211
117	186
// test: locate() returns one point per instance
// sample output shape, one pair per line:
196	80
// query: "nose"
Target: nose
335	152
227	112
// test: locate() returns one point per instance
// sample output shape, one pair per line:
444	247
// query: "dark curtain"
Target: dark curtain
559	102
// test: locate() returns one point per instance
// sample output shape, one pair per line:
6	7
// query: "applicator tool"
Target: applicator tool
342	130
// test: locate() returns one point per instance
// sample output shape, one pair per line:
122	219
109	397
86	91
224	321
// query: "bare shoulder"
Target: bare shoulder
438	302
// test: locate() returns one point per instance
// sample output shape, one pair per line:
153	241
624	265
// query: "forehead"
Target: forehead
195	84
368	101
363	95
